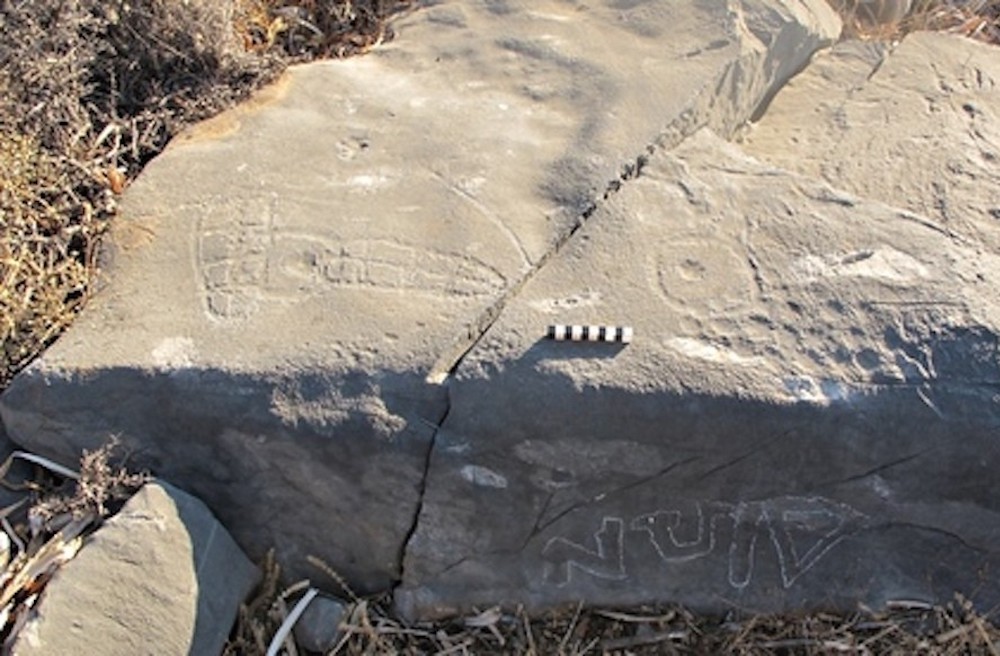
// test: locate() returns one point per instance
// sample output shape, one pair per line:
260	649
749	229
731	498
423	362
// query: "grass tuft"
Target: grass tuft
46	528
884	20
370	628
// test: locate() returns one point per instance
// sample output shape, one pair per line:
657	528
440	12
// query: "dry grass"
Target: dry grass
100	486
313	29
91	90
46	247
46	528
977	19
88	97
370	629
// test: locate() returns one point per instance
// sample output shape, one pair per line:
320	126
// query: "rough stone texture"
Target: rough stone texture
318	629
916	126
286	278
160	577
807	416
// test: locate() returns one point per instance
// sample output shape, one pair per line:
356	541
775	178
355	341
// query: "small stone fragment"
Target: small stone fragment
160	577
319	627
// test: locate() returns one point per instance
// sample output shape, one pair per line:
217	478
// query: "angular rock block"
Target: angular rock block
160	577
289	281
916	126
806	416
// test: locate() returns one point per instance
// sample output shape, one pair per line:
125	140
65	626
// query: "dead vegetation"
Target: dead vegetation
90	91
370	629
977	19
312	29
45	529
893	19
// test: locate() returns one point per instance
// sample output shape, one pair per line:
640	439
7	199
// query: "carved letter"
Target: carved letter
608	562
747	518
804	530
680	537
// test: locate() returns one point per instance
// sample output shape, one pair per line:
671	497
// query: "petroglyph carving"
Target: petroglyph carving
231	256
883	263
680	536
607	562
801	530
381	263
699	272
746	524
467	191
244	259
804	530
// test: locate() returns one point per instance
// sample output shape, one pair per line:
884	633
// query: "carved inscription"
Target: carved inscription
679	536
801	530
245	259
607	561
703	274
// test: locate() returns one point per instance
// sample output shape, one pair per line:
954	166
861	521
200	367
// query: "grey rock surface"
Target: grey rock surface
160	577
916	126
806	417
289	282
318	629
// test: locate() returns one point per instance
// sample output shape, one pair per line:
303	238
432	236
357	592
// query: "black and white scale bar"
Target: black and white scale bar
615	334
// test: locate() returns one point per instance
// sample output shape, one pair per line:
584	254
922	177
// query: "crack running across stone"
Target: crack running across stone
421	492
704	111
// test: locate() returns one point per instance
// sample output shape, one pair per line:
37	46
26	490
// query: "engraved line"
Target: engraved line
488	213
609	525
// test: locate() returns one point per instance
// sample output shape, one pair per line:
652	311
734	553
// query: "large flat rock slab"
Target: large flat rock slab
289	281
916	126
806	417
